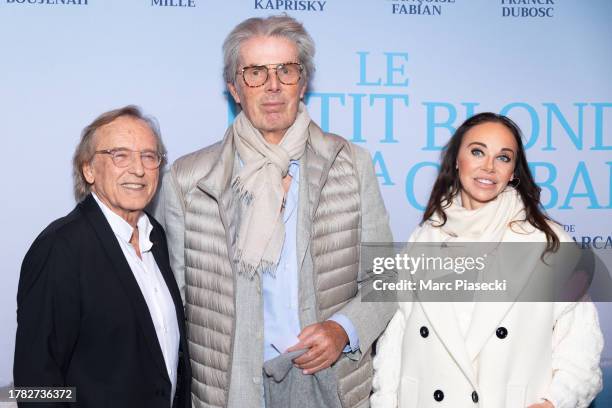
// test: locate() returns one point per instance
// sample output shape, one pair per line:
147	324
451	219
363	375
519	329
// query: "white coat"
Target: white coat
513	355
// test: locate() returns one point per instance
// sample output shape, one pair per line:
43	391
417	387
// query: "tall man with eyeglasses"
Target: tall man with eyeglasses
98	306
264	230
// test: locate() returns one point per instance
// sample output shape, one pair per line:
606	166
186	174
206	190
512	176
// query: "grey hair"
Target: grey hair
273	26
85	150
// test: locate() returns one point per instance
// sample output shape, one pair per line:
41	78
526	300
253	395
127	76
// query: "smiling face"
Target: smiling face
126	191
271	108
485	162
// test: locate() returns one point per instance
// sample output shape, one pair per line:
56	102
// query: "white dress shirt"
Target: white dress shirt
152	285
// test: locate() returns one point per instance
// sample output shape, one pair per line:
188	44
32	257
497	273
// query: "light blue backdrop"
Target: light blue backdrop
395	76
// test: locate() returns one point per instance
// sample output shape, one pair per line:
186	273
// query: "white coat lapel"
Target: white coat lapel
515	264
486	319
441	316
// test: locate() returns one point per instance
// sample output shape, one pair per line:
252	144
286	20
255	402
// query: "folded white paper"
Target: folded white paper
281	344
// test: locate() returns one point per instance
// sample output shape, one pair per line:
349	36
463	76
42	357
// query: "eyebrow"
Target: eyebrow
485	146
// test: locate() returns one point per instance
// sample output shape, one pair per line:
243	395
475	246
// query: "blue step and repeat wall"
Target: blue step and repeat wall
394	76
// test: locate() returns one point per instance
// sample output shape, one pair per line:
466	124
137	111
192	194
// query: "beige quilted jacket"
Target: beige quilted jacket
339	206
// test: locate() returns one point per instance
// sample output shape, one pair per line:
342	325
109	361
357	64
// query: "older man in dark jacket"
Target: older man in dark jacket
98	306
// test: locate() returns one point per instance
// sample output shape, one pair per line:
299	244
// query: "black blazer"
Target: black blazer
82	320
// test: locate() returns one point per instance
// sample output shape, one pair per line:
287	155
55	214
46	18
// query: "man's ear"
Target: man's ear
88	173
234	92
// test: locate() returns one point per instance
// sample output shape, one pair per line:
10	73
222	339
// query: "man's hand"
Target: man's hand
545	404
324	341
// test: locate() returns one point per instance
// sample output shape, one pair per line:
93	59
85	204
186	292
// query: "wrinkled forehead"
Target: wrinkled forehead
126	131
263	50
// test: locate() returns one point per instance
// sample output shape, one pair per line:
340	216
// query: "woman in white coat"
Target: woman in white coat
494	354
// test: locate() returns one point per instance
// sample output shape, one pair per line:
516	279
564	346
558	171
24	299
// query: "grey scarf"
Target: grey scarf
258	185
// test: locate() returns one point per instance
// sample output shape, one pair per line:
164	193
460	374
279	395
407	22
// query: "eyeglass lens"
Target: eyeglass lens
124	157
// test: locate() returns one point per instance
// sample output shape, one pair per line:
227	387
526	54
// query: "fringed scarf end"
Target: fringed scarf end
241	192
248	270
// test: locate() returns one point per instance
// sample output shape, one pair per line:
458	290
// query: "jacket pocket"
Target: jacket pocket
515	396
408	393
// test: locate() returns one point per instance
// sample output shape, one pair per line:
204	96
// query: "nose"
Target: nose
272	84
136	167
489	165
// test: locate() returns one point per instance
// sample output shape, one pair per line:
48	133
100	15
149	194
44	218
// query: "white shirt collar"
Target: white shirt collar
124	230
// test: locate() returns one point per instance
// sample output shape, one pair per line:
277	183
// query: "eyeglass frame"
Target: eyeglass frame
111	152
268	67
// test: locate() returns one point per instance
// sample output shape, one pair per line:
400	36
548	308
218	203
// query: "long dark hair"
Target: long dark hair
447	184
